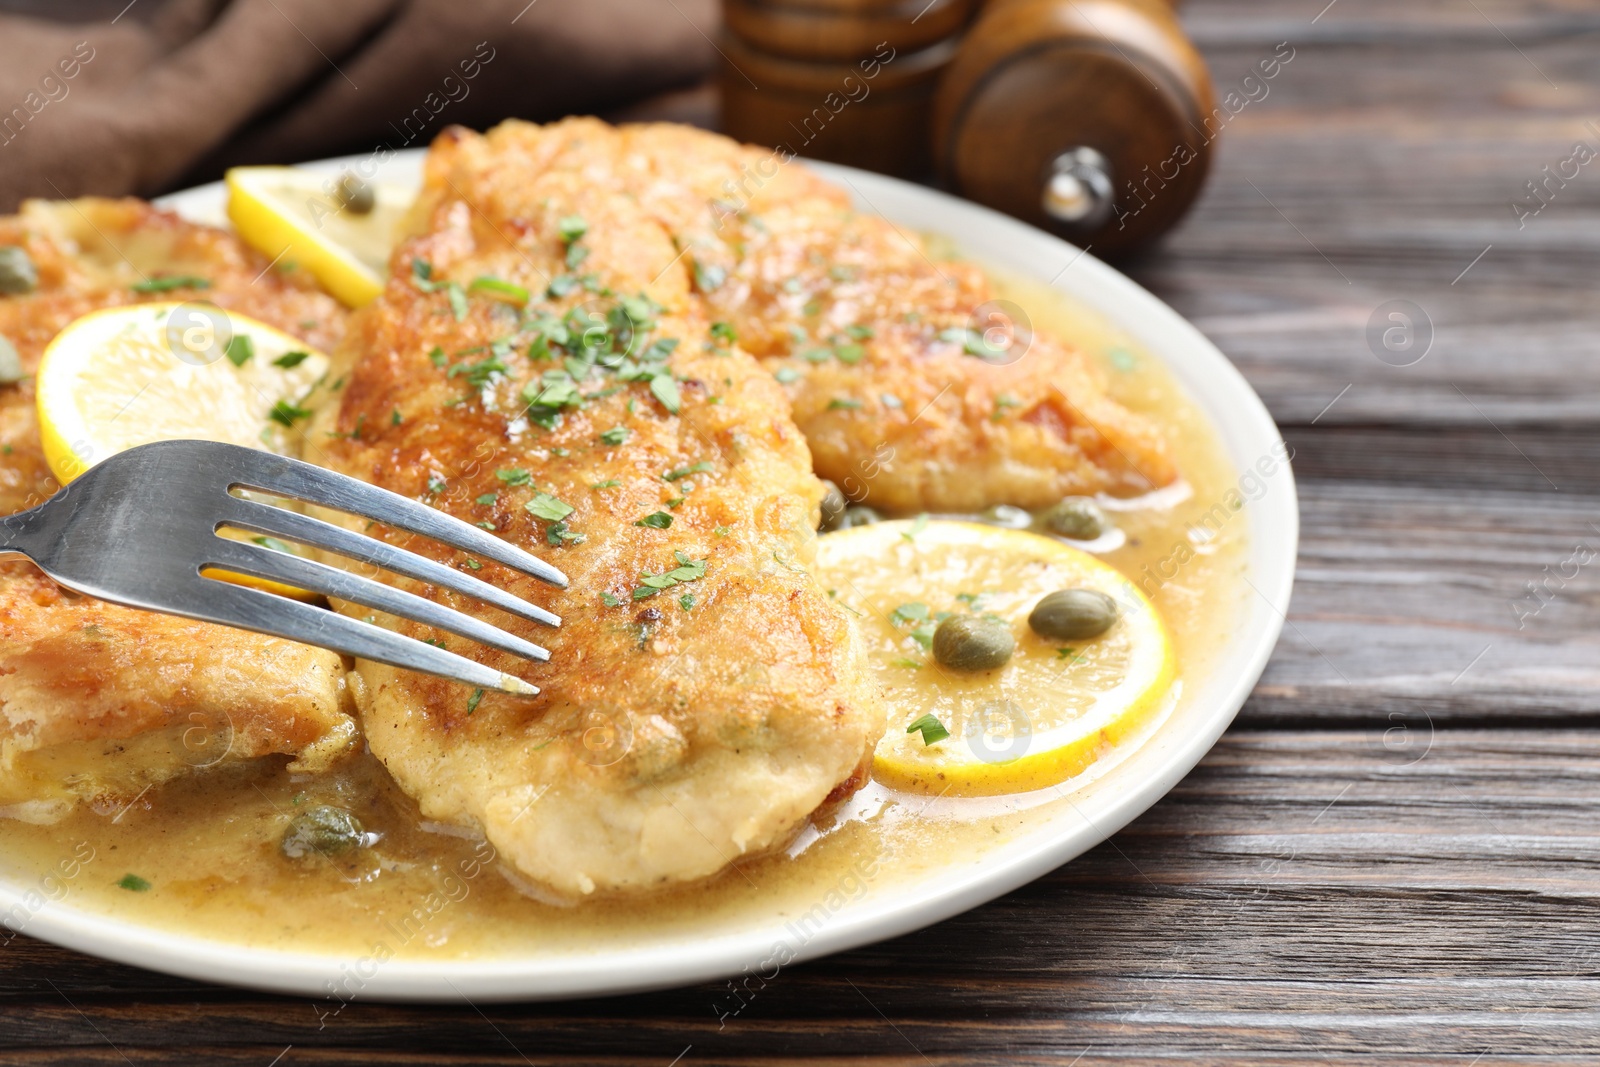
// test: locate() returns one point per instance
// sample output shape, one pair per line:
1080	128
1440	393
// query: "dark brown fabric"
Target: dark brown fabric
111	98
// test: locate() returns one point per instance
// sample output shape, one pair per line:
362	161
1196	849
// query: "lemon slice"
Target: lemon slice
1047	714
293	214
127	376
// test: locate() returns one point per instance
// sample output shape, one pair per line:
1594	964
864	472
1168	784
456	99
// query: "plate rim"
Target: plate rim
675	963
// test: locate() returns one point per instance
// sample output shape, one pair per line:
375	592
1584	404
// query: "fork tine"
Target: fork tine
278	616
331	581
315	485
265	519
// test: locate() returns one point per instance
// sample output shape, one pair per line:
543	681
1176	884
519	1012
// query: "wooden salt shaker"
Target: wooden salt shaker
1084	117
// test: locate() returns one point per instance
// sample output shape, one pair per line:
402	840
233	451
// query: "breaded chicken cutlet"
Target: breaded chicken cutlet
879	341
98	701
538	365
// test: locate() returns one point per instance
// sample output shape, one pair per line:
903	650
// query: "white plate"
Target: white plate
1099	807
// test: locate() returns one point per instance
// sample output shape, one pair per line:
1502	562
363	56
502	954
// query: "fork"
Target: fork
140	527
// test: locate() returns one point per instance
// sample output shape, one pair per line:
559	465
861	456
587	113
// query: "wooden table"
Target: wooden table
1395	850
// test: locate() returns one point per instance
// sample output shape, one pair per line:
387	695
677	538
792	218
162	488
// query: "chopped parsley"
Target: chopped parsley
666	391
785	375
547	507
609	483
286	414
273	543
572	227
915	615
615	436
458	299
708	277
500	288
394	417
844	402
558	534
973	343
166	285
133	883
849	353
656	520
932	730
472	701
512	475
721	331
917	526
240	349
608	600
473	564
546	399
684	472
488	500
479	373
438	357
686	601
687	570
290	360
422	275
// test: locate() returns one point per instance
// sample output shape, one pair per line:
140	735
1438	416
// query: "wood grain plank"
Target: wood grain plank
1413	605
1383	160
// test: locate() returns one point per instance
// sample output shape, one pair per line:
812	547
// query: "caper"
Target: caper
859	515
326	830
1072	614
17	272
355	195
1077	517
1007	516
833	507
10	362
973	643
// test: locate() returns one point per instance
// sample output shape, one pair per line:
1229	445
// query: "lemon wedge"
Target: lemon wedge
127	376
294	215
1045	716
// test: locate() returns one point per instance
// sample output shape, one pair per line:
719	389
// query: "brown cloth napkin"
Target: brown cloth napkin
111	97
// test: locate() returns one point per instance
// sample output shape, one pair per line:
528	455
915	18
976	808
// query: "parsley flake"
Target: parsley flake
684	472
500	289
166	285
240	349
547	507
932	730
286	414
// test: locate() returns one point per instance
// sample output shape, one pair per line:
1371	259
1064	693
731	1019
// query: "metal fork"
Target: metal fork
139	527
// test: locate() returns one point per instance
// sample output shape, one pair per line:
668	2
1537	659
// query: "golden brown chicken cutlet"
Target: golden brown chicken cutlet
97	701
911	386
538	365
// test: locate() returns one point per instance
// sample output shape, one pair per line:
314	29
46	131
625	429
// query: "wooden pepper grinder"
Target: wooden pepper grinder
851	81
1084	117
